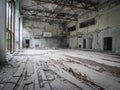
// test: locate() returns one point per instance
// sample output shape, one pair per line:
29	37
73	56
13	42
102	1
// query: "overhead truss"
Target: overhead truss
85	4
57	14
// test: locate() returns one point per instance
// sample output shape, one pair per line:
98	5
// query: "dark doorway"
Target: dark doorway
84	43
27	41
108	43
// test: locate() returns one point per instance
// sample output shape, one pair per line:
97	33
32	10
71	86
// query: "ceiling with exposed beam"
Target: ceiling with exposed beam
58	11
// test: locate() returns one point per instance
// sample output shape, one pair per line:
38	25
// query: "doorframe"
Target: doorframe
105	47
26	43
84	43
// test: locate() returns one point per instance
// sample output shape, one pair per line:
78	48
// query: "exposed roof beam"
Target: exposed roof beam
39	20
67	5
46	11
40	16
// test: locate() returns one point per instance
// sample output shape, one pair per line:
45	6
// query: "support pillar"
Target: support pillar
21	29
2	31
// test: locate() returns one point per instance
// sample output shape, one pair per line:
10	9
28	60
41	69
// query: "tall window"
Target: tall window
88	23
10	26
73	28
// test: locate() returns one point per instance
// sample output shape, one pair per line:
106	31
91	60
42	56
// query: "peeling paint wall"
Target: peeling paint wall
104	19
36	29
107	25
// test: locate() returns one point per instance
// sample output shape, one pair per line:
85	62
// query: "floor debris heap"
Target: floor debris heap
59	70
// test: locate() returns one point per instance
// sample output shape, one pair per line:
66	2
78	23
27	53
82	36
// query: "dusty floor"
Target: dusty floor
61	69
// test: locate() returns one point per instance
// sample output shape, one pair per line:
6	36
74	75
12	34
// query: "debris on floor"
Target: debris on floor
60	70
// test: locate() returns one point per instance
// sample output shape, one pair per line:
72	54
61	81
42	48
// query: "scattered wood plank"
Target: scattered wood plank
28	81
36	82
19	71
20	86
29	69
69	77
43	75
37	87
10	85
45	81
30	87
13	80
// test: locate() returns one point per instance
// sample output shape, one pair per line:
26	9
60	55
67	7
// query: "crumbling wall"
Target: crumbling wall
95	40
36	29
73	42
107	25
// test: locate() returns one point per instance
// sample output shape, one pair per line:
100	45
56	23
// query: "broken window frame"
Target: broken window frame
73	28
10	14
87	23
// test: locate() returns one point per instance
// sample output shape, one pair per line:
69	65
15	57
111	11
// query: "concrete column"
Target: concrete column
21	29
17	15
2	30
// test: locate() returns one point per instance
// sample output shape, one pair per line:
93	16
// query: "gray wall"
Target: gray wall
52	42
36	29
107	25
2	30
21	30
96	39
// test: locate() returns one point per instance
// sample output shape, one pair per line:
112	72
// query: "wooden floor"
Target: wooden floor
59	70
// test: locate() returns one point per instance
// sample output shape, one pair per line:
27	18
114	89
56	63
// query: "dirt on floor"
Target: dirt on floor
61	69
111	69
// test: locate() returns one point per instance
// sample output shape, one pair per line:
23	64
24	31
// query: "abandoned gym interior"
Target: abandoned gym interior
59	44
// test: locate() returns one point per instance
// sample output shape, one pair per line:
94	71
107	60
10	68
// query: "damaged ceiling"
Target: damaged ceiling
57	11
